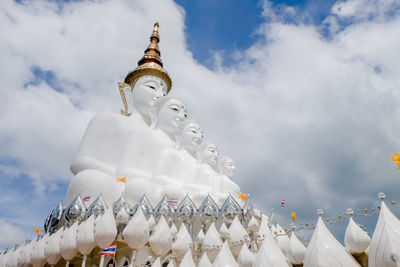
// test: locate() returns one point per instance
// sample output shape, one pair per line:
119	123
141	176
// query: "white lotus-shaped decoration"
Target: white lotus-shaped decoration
161	240
105	229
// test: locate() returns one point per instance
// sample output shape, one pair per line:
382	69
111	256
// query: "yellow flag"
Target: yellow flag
396	159
121	179
37	230
294	216
243	196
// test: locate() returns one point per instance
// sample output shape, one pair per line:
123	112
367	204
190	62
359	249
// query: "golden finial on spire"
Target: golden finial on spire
155	31
150	63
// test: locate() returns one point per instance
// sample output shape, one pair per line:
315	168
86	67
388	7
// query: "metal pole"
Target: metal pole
133	258
84	260
102	261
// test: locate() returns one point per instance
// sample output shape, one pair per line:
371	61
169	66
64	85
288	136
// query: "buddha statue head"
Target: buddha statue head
171	113
145	94
207	153
149	81
226	166
191	136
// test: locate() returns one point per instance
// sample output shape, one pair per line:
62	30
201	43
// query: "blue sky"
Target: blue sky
227	26
296	100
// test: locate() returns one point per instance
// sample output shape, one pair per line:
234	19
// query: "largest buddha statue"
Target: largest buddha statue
148	144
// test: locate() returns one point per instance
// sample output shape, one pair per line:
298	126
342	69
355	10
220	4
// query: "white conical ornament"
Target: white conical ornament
105	229
237	235
187	261
85	239
263	230
174	231
253	225
212	242
223	231
281	238
22	259
225	257
137	231
355	238
295	250
122	217
17	256
201	236
204	261
52	250
152	223
171	263
384	249
269	254
246	257
182	243
37	254
22	256
8	261
274	231
325	250
68	246
28	250
161	240
157	263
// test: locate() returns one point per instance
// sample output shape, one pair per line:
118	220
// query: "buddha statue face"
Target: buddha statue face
208	153
227	166
147	90
171	114
191	137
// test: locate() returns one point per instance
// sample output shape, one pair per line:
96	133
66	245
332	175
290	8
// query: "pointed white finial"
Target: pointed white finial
350	212
320	212
381	196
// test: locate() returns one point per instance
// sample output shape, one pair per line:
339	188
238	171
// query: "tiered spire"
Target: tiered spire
151	63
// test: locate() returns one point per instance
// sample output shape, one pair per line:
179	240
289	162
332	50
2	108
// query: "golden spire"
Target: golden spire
151	63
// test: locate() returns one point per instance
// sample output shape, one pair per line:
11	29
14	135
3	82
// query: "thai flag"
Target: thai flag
85	199
172	201
283	203
109	251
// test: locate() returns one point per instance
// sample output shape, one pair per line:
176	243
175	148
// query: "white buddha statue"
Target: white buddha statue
178	163
142	154
205	175
223	184
227	169
97	162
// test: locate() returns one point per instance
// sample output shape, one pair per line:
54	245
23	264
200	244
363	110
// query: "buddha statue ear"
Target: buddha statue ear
126	94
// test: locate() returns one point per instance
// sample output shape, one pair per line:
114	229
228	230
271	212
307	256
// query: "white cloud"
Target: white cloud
10	234
365	9
308	119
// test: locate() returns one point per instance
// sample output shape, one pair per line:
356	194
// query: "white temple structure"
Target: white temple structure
145	180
